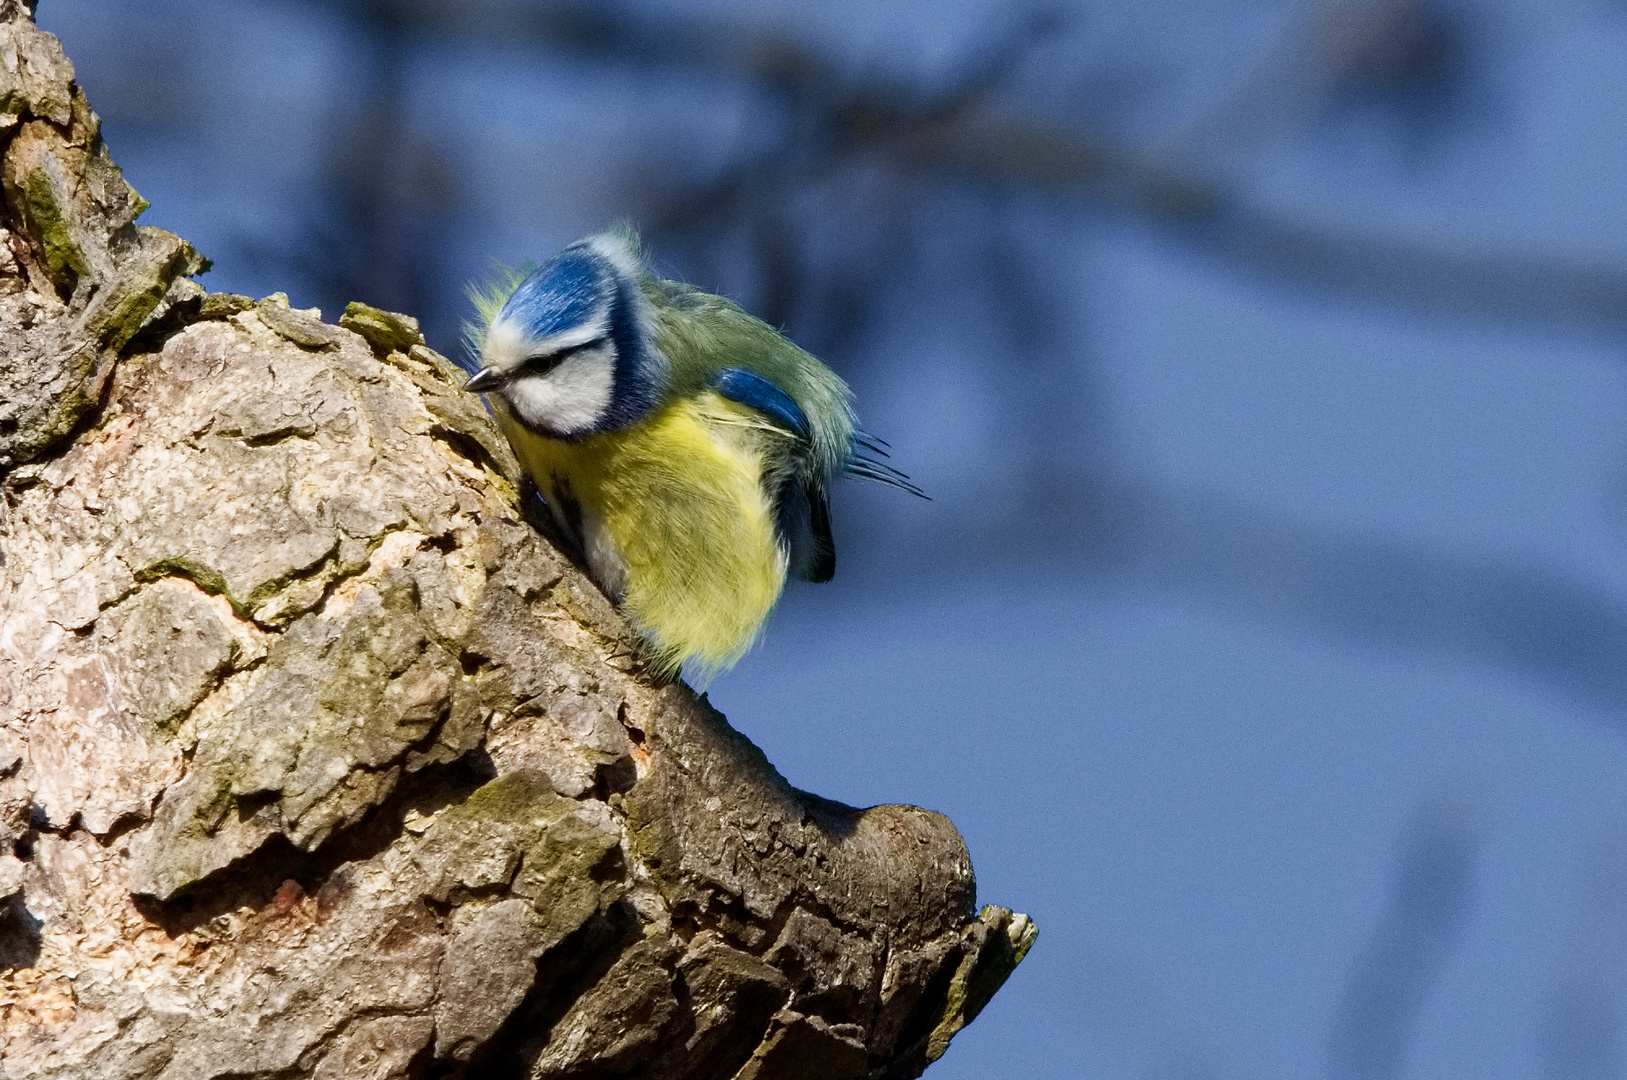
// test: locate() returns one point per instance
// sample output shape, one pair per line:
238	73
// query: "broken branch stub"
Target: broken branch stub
317	761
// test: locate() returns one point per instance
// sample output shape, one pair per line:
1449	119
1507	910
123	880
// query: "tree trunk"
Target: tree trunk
316	760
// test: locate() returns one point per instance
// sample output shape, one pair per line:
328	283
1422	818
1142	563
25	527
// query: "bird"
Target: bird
684	448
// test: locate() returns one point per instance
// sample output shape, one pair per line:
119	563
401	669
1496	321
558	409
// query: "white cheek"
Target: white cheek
569	399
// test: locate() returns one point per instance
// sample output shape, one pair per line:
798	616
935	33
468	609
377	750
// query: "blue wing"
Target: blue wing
801	509
760	394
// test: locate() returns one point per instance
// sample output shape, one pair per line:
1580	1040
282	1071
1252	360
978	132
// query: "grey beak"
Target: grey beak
483	380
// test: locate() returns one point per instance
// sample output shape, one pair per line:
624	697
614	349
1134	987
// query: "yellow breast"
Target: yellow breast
677	505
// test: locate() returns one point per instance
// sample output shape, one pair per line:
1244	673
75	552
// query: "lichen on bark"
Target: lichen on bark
317	760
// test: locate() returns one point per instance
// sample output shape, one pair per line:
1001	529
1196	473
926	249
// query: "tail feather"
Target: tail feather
863	468
872	444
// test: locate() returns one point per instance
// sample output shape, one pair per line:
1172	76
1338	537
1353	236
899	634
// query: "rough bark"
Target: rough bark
316	760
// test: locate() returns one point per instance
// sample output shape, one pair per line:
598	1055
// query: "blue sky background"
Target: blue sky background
1266	636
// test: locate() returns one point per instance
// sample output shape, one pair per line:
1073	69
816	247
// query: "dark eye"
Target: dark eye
543	363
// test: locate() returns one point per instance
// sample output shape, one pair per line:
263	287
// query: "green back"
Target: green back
701	334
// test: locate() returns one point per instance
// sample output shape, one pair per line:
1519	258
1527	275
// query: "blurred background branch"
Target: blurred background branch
1412	942
976	127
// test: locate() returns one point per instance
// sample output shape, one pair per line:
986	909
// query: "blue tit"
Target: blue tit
684	447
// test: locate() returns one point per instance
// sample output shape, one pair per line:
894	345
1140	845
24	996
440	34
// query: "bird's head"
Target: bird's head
569	349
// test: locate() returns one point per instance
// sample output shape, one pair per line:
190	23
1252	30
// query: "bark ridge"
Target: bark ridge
316	760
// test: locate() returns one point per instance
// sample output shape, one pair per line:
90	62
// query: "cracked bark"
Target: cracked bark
316	760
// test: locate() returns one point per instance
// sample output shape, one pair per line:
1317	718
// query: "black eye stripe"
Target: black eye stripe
546	362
